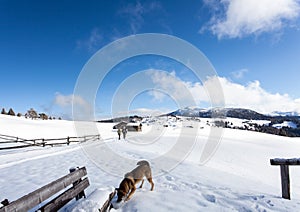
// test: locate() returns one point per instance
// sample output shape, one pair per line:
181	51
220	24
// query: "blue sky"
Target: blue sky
254	46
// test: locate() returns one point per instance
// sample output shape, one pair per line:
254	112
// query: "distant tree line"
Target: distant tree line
31	113
283	131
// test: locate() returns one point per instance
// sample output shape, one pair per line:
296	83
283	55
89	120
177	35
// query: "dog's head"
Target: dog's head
121	195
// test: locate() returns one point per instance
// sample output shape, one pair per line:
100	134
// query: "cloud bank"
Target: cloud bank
135	13
65	103
251	96
239	18
92	43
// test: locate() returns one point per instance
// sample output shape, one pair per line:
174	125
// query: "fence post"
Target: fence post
68	140
285	181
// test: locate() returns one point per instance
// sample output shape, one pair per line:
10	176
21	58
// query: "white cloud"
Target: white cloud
239	74
143	112
65	102
238	18
135	13
251	96
157	95
92	43
170	85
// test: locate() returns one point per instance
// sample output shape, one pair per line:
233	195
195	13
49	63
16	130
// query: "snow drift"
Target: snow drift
238	177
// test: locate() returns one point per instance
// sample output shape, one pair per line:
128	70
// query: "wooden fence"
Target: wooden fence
54	195
284	172
107	205
7	139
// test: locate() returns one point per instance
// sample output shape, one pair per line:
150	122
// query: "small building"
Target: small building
132	126
135	127
120	125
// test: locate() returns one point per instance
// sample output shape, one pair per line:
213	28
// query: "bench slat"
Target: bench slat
65	197
38	196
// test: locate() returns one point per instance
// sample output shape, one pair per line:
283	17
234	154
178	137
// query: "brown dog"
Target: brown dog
127	186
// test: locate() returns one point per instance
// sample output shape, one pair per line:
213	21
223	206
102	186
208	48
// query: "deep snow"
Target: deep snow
285	124
238	177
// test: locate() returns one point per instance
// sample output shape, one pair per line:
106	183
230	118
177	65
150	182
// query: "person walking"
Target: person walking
124	131
119	133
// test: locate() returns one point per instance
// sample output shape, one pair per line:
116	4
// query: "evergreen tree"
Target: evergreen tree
11	112
3	111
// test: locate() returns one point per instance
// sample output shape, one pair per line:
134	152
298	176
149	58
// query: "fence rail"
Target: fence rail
7	139
10	138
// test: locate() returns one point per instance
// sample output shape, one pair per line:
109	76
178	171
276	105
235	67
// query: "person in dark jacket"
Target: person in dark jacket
124	131
119	133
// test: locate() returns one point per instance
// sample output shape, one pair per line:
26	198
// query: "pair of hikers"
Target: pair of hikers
124	131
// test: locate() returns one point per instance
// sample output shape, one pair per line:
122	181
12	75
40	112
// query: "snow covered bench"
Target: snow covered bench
54	195
285	176
99	200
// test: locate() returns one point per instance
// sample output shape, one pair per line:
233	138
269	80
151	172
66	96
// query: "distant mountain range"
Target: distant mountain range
231	112
126	119
276	119
278	123
278	113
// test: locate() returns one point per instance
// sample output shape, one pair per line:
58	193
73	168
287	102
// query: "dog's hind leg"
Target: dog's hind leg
151	182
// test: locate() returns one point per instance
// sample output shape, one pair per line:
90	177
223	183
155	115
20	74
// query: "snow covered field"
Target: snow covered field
238	177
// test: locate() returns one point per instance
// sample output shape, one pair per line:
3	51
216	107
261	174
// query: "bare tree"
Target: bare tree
32	114
43	116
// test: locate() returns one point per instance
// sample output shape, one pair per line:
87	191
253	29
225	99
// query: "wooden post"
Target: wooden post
285	181
68	140
284	172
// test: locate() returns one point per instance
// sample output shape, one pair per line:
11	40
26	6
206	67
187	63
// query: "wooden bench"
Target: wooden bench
285	176
107	205
54	195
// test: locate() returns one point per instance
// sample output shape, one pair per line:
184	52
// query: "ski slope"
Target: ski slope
238	177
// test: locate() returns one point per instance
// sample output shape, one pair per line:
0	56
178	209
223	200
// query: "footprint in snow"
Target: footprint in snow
169	178
209	198
269	202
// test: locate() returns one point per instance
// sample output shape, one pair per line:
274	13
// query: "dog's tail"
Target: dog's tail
143	162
